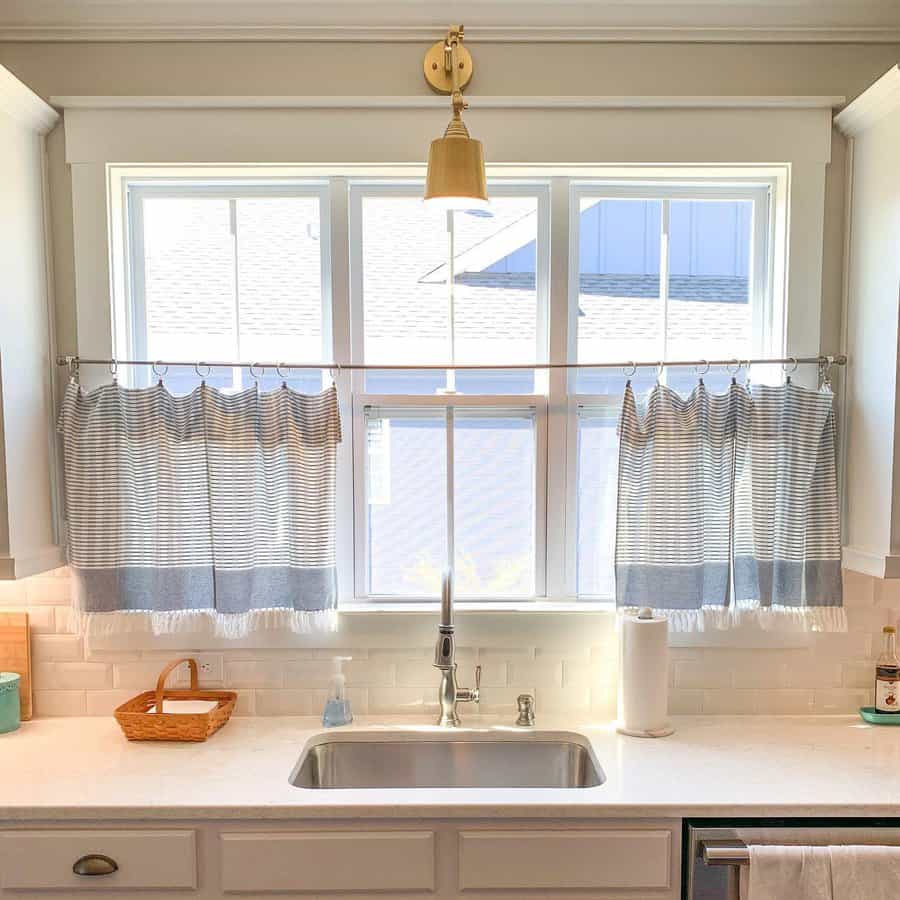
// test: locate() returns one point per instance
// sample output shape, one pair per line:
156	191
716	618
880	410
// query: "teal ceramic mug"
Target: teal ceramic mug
10	711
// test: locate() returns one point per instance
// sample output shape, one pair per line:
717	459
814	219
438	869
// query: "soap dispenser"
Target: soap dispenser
337	706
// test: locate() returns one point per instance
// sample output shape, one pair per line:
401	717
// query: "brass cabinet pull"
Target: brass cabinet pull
94	864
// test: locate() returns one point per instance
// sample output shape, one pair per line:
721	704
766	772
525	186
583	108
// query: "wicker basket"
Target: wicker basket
139	724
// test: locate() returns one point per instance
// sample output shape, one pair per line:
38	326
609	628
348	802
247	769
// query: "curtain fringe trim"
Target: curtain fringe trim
224	625
768	618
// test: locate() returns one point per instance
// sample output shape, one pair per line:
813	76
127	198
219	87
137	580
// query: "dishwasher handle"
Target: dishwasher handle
724	853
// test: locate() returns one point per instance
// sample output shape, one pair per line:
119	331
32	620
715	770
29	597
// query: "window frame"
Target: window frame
555	402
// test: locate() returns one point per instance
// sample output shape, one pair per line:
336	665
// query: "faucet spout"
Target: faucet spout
449	692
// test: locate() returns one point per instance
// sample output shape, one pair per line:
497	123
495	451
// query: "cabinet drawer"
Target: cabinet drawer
328	862
564	859
43	860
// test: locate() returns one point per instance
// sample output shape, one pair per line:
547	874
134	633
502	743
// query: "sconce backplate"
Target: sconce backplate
438	77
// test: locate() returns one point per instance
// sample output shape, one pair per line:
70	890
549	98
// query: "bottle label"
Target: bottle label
887	689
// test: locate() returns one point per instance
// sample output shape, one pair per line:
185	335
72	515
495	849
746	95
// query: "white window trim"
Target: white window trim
341	291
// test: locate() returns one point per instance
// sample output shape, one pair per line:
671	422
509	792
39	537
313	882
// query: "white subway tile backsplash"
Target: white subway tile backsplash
248	673
284	703
103	703
59	703
66	676
402	701
831	673
730	703
547	673
56	647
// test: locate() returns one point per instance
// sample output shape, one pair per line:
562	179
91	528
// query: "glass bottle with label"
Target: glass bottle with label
887	674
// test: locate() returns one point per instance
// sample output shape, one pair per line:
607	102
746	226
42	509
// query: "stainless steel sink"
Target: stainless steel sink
458	759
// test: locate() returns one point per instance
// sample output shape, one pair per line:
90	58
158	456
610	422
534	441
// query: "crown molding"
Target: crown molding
428	101
869	21
873	104
22	104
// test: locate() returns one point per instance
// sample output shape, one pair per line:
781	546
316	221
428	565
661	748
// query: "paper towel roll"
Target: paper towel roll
644	676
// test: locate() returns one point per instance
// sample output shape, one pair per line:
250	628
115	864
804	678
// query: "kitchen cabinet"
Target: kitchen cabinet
479	859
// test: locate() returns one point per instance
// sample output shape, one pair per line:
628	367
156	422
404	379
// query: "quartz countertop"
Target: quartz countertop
83	769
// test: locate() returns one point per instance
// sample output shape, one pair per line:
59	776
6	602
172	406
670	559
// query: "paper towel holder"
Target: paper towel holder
645	613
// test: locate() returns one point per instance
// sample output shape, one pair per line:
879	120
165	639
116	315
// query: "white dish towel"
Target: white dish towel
865	873
787	873
838	872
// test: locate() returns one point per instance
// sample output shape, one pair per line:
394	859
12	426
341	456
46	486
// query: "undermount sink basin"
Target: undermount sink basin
457	759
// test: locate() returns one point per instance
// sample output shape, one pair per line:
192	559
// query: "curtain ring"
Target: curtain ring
202	375
660	368
114	370
788	372
281	374
156	370
705	365
630	370
738	365
253	373
73	369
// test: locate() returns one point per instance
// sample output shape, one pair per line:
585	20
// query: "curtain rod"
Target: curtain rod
75	361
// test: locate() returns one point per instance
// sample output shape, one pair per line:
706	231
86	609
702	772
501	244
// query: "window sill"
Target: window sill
431	607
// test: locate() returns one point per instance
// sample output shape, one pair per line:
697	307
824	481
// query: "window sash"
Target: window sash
139	190
516	406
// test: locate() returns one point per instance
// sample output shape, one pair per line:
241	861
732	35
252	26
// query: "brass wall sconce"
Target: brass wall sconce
456	178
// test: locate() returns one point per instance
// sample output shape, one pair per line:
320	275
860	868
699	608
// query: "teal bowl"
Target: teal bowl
10	711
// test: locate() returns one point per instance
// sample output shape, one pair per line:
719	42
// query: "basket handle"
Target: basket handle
161	681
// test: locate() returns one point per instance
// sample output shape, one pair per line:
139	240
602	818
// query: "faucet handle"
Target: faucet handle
477	684
525	703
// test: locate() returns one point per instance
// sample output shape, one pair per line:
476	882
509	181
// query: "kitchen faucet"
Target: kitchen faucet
450	693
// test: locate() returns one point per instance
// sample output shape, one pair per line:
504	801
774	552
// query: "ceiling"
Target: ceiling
420	20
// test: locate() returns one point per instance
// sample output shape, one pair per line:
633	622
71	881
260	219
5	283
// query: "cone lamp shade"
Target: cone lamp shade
456	178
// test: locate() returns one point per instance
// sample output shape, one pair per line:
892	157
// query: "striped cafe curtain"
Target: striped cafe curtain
209	511
728	510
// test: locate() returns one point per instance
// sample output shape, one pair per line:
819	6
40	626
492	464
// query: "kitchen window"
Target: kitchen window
509	473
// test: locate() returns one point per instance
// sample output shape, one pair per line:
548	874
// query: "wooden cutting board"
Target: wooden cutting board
15	654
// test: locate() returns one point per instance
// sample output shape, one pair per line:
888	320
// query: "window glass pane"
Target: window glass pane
598	449
231	278
405	314
495	293
494	497
709	286
279	274
189	279
406	292
406	499
619	314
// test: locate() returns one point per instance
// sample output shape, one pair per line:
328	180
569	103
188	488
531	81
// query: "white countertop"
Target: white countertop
81	769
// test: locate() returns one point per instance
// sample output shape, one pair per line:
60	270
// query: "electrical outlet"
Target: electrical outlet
210	670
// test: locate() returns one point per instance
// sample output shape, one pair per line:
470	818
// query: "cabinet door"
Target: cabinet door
565	860
328	862
43	860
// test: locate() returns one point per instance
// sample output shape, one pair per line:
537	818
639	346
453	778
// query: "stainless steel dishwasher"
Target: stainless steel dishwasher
714	853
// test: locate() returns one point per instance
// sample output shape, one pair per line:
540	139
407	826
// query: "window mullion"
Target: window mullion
664	282
337	265
563	263
451	517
